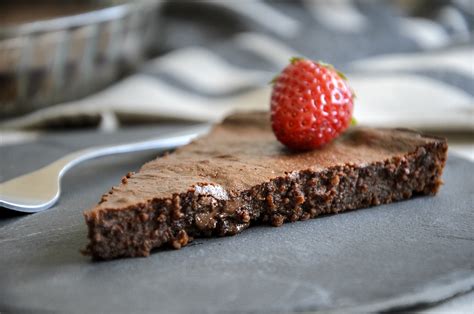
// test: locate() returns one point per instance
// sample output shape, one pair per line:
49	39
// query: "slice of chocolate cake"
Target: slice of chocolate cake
240	175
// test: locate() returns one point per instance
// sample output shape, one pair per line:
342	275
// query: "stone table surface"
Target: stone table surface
396	256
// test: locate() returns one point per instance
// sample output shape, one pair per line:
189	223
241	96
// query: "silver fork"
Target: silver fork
39	190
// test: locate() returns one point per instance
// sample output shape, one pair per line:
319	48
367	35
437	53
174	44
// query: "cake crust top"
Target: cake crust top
242	152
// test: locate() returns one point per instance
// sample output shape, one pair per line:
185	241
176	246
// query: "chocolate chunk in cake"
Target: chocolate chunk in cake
240	175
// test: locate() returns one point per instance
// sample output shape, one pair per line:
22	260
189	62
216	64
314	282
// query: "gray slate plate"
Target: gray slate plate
392	256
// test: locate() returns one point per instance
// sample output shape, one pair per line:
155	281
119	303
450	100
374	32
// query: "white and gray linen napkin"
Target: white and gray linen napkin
407	71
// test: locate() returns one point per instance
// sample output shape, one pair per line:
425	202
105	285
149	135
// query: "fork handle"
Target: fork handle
44	184
178	139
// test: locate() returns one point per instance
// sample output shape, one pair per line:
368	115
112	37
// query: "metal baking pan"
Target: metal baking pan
75	48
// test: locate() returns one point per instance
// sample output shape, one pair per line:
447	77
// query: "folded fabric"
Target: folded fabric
403	78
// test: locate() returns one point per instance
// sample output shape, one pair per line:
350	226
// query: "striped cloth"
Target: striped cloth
411	63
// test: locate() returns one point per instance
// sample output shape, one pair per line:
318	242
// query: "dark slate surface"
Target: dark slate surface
378	258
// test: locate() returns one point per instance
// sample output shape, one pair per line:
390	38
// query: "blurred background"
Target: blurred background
106	66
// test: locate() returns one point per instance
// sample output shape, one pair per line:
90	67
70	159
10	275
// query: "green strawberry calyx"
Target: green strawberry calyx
274	79
353	121
293	60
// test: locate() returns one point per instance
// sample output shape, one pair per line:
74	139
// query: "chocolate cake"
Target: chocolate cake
240	175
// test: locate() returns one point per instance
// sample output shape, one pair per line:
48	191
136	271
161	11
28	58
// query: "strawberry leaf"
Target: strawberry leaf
274	79
353	121
331	67
326	65
342	75
293	60
354	96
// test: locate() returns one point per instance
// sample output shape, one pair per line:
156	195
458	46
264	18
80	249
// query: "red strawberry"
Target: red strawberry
311	104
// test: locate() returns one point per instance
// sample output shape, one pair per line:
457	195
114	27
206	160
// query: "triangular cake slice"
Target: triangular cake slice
239	175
